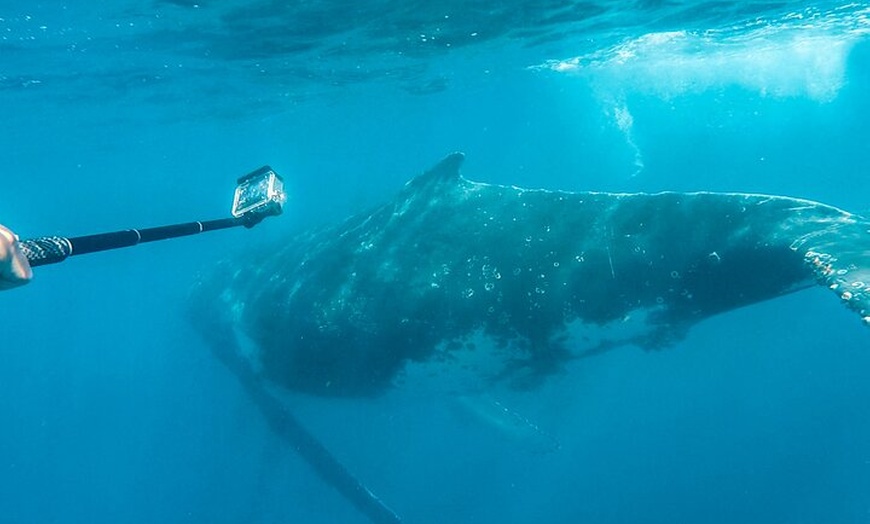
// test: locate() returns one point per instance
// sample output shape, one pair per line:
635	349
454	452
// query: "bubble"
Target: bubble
490	272
489	286
468	293
841	272
555	264
675	274
539	291
660	300
517	271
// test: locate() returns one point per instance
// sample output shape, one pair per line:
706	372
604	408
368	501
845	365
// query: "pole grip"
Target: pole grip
45	250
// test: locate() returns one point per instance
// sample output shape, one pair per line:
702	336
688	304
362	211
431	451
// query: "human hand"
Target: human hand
14	268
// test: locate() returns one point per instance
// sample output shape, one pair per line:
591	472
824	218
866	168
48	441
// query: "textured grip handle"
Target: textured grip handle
46	250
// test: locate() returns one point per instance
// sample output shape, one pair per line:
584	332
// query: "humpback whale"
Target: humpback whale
482	285
506	284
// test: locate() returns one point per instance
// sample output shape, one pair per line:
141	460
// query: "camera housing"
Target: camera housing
260	193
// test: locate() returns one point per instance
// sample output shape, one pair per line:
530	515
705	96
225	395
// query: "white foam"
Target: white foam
801	55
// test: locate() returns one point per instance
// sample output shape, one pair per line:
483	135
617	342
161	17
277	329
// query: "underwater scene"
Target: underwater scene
537	261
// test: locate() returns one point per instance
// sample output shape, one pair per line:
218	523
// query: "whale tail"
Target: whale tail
839	257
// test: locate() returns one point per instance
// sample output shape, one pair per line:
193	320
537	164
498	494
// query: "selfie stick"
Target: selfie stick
258	194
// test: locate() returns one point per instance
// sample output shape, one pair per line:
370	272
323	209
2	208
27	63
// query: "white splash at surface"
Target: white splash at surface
801	55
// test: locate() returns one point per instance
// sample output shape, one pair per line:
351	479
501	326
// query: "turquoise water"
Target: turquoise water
126	115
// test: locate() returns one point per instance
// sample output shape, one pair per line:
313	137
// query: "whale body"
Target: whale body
506	285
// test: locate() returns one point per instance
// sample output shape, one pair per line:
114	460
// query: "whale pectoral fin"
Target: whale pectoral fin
507	424
840	260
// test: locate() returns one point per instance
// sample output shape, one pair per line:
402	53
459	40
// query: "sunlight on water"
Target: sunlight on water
802	55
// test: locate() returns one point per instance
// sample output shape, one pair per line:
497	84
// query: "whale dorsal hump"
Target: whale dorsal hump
445	171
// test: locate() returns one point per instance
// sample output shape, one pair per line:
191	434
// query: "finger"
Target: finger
14	268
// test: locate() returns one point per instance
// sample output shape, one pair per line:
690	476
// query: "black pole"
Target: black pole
51	250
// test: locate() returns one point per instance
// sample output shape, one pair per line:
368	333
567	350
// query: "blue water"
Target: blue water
137	114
